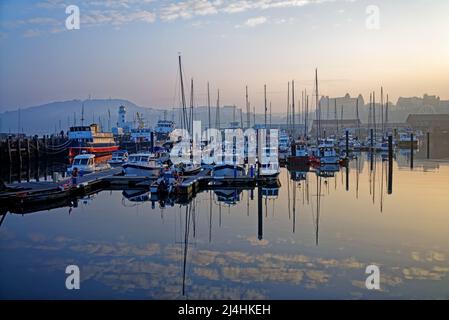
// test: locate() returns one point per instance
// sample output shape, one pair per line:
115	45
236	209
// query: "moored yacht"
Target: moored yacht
142	164
85	163
118	158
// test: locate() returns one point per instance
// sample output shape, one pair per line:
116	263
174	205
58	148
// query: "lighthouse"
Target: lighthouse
122	117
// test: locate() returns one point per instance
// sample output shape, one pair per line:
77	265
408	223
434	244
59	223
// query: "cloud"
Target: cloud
30	33
189	9
254	22
116	18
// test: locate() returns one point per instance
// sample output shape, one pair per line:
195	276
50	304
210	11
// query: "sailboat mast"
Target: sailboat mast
82	114
183	97
374	115
317	106
357	116
265	99
270	115
248	119
382	109
288	107
293	107
217	115
191	108
208	105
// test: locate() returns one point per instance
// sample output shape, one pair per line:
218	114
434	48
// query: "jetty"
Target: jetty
47	194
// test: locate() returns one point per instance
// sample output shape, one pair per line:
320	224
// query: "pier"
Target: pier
41	192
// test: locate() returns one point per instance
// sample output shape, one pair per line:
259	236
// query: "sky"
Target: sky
129	49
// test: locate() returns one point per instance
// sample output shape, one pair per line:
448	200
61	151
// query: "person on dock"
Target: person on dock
74	176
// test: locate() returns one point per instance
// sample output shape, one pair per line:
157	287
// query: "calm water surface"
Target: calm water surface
309	239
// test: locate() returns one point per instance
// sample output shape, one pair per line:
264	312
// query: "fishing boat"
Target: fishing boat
142	164
85	163
91	140
118	158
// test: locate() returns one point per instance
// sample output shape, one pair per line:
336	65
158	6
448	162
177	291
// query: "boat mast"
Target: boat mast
386	113
288	107
374	115
317	107
191	109
248	119
265	99
208	104
293	108
82	114
217	113
184	122
357	116
270	115
382	109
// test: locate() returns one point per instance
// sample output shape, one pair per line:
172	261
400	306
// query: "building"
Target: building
331	108
336	127
428	122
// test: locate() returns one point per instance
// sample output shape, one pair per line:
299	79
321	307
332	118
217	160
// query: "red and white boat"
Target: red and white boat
89	139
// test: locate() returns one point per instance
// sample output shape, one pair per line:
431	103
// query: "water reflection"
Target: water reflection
309	237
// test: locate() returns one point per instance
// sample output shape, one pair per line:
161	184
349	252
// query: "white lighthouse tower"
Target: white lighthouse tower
121	117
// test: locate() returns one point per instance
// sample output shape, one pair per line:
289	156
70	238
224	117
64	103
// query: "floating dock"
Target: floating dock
33	193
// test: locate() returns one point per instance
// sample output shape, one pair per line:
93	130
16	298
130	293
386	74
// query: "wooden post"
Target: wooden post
19	154
36	147
8	142
411	150
347	144
390	164
259	214
428	145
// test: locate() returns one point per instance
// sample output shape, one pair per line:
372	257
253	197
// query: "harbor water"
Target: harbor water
312	237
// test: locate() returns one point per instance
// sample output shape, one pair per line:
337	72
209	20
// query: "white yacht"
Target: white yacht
85	163
142	164
118	158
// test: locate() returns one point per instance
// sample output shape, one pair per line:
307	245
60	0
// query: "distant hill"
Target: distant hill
56	116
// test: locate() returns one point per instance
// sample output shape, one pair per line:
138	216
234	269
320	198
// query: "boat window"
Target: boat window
144	159
133	159
82	162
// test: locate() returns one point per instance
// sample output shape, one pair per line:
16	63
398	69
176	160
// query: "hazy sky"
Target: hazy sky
128	49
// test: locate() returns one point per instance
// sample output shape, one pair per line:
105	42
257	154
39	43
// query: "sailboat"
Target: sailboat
187	167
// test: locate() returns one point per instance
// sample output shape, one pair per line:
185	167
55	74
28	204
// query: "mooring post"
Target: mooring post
390	164
8	142
36	148
259	213
19	154
411	150
428	145
347	176
347	144
152	140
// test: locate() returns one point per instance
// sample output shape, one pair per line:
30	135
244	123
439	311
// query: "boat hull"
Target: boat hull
137	170
96	150
228	171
